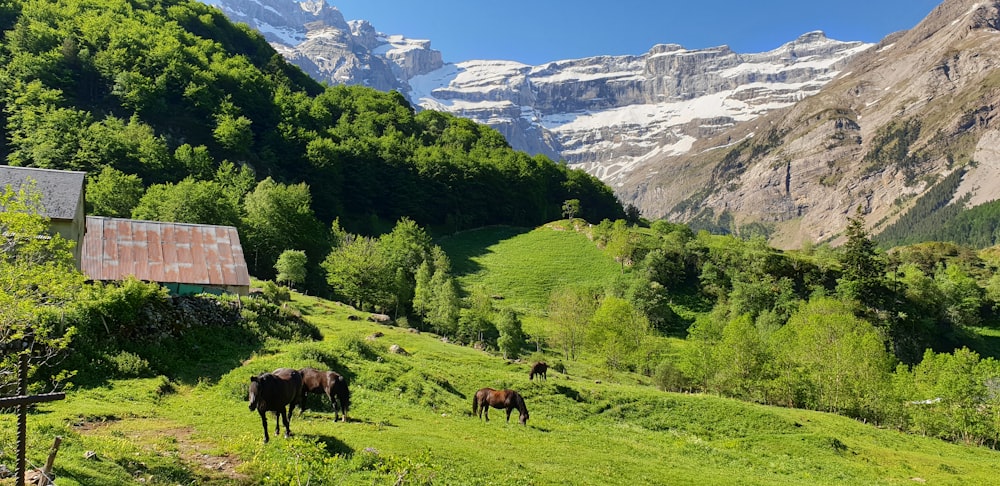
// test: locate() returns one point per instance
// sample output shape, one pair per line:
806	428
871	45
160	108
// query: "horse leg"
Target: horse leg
302	402
284	418
333	403
263	420
508	413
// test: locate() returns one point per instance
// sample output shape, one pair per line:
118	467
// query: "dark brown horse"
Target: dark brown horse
272	392
329	383
539	368
501	399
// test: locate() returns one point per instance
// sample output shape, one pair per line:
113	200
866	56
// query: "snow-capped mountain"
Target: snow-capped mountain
608	114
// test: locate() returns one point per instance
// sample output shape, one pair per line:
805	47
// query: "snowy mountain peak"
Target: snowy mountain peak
607	114
315	7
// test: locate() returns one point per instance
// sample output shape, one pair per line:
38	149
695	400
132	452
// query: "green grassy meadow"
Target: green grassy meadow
411	421
523	267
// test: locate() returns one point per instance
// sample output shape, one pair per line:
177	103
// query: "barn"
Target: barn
185	258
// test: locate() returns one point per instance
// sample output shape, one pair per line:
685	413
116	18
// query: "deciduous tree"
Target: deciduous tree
291	267
38	280
113	193
570	310
512	337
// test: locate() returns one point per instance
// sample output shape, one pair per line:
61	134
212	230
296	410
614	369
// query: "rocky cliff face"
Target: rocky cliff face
314	36
606	114
898	118
611	113
791	140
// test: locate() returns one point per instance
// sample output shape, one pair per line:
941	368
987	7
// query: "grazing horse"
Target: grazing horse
330	383
272	392
500	399
539	368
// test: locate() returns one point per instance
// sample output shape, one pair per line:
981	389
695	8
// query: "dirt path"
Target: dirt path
174	441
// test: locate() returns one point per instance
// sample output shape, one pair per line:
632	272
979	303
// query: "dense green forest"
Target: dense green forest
180	115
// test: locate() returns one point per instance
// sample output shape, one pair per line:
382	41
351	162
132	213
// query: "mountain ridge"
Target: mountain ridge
789	142
901	116
606	113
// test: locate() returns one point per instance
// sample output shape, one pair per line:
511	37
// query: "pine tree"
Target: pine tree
863	267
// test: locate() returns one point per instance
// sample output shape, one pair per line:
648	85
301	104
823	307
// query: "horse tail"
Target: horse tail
343	393
475	404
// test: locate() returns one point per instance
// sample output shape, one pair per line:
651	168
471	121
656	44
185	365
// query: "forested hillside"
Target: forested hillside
180	115
935	216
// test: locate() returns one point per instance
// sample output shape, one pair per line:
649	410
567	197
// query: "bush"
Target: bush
276	294
669	378
360	347
129	365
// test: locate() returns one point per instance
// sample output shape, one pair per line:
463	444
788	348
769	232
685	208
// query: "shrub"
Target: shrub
360	347
129	365
276	294
669	378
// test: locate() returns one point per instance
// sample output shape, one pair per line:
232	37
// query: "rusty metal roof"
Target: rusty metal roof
163	252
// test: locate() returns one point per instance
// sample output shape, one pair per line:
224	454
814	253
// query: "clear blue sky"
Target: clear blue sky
538	31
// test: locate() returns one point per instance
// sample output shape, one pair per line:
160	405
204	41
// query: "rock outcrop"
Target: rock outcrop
314	36
900	117
608	114
790	140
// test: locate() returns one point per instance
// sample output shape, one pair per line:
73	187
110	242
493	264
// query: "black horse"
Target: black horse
272	392
500	399
539	368
330	383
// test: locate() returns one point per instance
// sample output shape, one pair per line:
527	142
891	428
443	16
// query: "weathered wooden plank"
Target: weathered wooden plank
30	399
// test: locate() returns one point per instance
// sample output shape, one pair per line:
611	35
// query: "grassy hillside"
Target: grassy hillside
411	423
524	266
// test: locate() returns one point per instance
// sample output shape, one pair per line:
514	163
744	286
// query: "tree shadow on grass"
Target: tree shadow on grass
333	445
448	387
463	246
192	355
570	393
986	344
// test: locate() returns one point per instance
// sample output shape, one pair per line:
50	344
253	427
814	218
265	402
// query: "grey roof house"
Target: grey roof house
62	198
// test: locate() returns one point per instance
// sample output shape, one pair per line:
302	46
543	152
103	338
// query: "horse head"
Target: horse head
254	381
522	411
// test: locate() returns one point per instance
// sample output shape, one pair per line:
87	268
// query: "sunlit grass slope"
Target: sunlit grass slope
524	266
412	424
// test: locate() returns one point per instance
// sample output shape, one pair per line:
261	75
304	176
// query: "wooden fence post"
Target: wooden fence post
22	401
22	418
